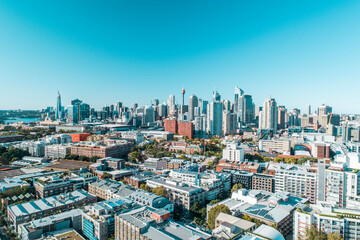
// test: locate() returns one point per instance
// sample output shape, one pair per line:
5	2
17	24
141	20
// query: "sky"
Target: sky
299	52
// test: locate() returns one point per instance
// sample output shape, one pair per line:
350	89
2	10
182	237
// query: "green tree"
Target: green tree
313	234
214	201
195	208
334	236
247	218
236	187
161	191
145	187
135	156
214	211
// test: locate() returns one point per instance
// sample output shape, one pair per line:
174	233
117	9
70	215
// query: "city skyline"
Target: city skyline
283	52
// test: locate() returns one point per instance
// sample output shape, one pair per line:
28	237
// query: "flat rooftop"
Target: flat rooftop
68	165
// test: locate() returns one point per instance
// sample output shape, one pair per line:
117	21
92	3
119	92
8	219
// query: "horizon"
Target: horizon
299	53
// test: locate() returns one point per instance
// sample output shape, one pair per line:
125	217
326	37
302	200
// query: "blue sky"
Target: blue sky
300	52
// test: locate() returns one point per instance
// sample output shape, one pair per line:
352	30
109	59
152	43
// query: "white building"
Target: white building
233	152
278	145
268	115
328	219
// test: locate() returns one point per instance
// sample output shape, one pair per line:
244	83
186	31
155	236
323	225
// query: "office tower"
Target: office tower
248	109
268	115
149	115
227	105
216	97
281	117
215	116
193	102
229	123
197	112
119	106
76	102
323	112
135	106
171	105
156	102
308	109
162	110
200	126
203	106
58	113
84	111
237	98
111	110
73	113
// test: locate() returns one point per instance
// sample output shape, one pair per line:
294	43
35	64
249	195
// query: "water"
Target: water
25	120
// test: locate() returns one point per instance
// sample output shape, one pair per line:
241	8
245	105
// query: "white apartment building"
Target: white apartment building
295	179
342	188
328	219
233	152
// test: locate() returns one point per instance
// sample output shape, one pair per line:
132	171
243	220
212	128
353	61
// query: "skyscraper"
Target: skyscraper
238	93
58	113
268	115
171	105
193	102
281	117
308	110
215	114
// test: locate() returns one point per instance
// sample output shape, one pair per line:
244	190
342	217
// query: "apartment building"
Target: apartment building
115	150
328	219
107	189
57	151
98	221
179	193
233	152
152	200
295	179
263	182
147	223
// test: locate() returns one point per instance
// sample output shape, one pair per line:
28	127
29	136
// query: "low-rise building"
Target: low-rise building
152	200
179	193
98	220
38	228
107	189
21	213
277	145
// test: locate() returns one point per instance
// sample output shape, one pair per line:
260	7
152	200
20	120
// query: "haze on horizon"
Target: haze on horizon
300	53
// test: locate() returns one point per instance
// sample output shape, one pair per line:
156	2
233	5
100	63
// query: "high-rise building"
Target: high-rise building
58	112
215	118
238	93
229	123
308	109
193	102
171	105
281	117
323	112
268	115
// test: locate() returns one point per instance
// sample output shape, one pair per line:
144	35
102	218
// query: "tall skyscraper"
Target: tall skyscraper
215	115
281	117
171	105
229	123
248	109
216	96
268	115
58	112
323	112
238	93
193	102
308	110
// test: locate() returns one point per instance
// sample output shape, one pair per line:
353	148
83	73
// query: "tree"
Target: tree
334	236
236	187
106	175
214	201
195	208
313	234
247	218
145	187
161	191
210	164
214	211
135	156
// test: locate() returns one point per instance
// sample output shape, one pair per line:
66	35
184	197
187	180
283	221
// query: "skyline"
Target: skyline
297	53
